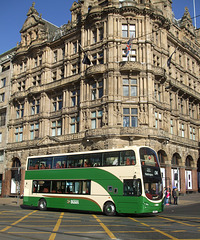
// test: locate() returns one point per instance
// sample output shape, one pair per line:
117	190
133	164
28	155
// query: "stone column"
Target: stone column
168	175
182	180
194	180
7	184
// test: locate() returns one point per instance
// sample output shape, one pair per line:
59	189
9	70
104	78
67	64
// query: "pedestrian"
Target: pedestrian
175	195
167	195
170	195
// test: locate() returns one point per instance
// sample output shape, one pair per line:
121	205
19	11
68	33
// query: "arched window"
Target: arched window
162	156
188	161
176	159
16	163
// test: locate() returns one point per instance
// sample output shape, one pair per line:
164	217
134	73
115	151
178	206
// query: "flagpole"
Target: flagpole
195	20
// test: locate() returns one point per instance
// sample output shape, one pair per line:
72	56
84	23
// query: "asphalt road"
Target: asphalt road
176	222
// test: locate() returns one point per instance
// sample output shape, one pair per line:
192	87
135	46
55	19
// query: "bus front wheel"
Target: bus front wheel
42	205
109	209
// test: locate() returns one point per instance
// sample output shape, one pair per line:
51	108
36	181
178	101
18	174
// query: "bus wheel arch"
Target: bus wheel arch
109	208
42	204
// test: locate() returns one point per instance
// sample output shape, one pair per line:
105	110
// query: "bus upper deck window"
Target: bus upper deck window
127	158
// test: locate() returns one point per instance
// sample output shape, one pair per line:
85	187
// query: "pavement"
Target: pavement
186	199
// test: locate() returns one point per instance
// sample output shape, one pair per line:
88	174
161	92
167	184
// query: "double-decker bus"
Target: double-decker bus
112	181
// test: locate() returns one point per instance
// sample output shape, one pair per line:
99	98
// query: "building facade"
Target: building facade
5	90
79	87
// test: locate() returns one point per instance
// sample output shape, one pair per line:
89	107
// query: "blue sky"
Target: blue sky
13	15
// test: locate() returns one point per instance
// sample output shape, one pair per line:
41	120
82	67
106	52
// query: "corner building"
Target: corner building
59	104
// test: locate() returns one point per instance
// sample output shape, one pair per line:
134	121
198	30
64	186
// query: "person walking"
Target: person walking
175	194
167	194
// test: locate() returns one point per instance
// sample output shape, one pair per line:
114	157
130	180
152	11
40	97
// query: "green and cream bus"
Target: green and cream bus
112	181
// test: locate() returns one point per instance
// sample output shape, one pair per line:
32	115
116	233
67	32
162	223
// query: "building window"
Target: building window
19	134
96	119
131	56
156	61
34	131
57	128
0	136
171	126
63	52
57	103
54	76
55	56
35	62
97	58
182	129
3	82
171	100
157	92
129	87
1	155
192	133
75	98
128	31
35	106
76	68
21	85
180	101
74	124
36	80
180	60
75	47
130	117
94	36
20	110
20	67
101	34
40	60
97	90
158	120
2	97
193	67
2	118
61	73
191	110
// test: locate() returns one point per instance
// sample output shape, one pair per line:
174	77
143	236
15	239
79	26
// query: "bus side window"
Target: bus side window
127	158
85	187
96	159
111	158
34	163
75	161
49	161
86	161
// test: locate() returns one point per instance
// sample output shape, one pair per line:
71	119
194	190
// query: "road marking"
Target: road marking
110	234
28	232
21	219
156	230
172	220
177	231
53	235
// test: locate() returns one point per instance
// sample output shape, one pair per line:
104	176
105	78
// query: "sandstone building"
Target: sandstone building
148	97
5	90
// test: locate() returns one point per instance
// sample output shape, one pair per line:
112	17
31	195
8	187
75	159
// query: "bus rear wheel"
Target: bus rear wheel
42	205
109	209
